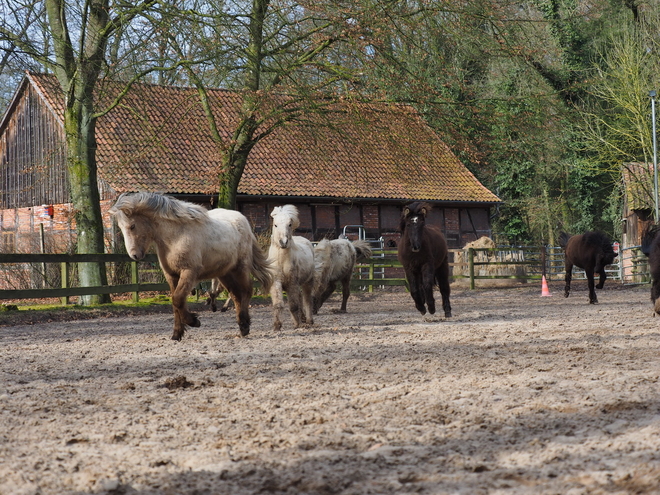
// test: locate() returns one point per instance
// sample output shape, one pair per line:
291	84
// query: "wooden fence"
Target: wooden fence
383	269
21	262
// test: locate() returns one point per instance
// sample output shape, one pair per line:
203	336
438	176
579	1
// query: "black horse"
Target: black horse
651	248
591	251
424	256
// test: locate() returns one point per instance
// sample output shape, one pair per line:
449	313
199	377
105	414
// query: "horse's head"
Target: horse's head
285	221
413	220
136	228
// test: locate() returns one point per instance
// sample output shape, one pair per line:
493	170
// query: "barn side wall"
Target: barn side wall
32	156
317	221
21	228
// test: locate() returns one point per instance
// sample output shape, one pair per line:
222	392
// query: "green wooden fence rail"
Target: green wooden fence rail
65	260
367	270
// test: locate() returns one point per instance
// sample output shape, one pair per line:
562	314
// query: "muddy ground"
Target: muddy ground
515	394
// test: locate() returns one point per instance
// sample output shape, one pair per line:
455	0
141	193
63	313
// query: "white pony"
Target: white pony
335	261
192	245
293	261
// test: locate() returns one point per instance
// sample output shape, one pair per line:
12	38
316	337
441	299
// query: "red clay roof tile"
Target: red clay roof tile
157	139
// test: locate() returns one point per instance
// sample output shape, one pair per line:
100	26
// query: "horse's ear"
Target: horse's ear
120	206
423	211
406	211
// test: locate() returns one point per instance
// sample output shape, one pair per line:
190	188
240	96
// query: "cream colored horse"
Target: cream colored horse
293	260
192	245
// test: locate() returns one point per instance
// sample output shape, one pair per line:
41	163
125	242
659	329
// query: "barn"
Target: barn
353	165
638	213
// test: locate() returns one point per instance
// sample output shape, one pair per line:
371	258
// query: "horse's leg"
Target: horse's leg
293	295
277	298
239	287
603	277
179	301
226	305
179	328
345	292
216	287
655	294
414	280
428	281
327	292
600	268
442	276
307	302
569	275
590	282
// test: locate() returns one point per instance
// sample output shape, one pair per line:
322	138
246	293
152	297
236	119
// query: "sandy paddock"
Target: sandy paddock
515	394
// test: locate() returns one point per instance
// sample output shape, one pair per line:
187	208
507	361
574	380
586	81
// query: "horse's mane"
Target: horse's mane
289	210
158	205
416	208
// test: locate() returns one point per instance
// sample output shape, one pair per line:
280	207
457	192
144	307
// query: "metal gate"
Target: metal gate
556	268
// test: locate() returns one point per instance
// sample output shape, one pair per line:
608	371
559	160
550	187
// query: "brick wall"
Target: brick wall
370	217
21	228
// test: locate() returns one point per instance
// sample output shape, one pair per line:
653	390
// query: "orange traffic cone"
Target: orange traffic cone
545	292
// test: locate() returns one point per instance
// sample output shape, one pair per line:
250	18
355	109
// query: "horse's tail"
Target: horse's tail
648	235
563	239
362	249
262	267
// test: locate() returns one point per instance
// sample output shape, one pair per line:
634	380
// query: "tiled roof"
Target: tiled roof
158	140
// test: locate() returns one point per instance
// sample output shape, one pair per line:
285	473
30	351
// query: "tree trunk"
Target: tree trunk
79	125
233	166
77	77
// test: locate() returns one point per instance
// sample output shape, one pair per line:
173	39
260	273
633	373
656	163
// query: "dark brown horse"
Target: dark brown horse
591	251
651	248
424	256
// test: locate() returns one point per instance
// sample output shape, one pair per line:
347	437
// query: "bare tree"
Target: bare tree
281	55
71	39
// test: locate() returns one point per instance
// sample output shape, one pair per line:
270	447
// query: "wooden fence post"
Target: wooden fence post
471	267
371	275
135	280
64	268
543	261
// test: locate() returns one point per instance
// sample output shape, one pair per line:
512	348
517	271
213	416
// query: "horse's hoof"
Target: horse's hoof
223	309
244	330
431	310
195	321
565	294
594	301
656	307
177	335
447	314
